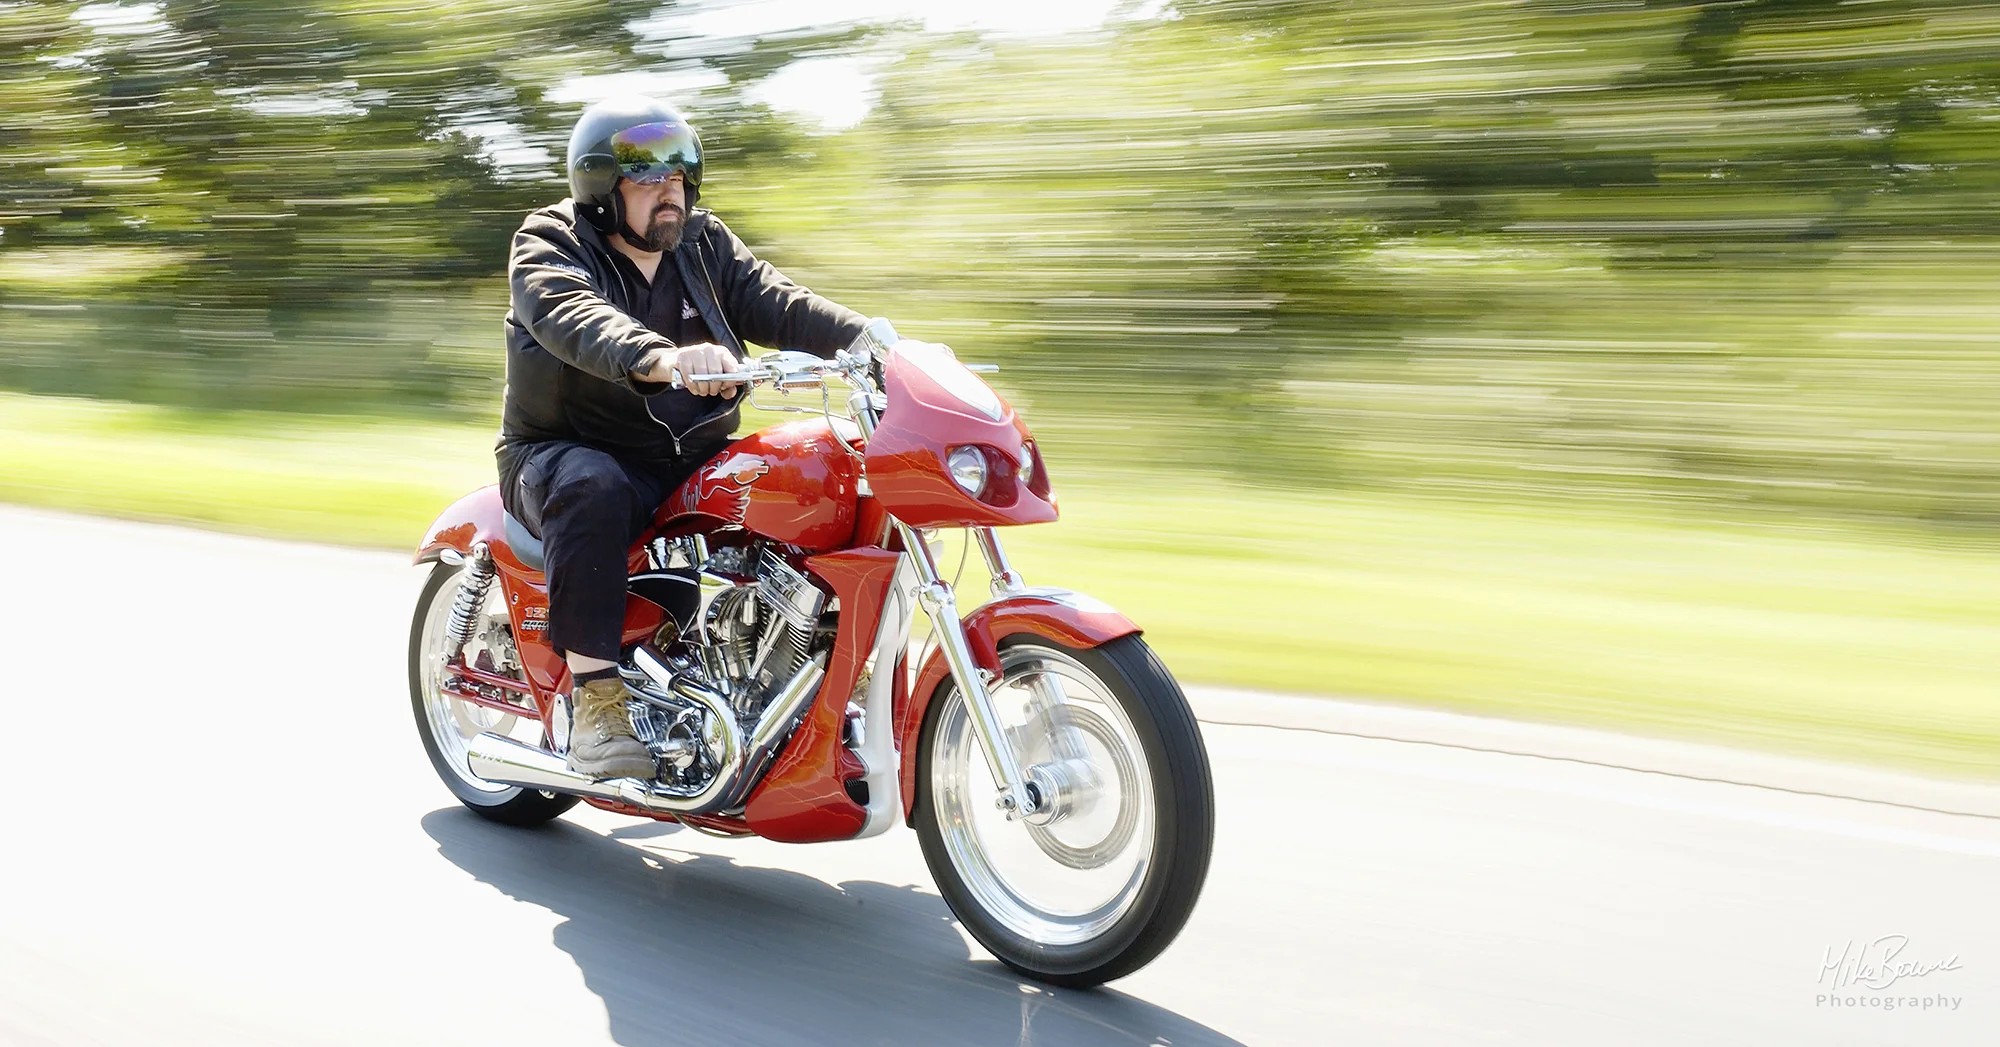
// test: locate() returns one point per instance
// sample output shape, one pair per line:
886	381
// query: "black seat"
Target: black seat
527	548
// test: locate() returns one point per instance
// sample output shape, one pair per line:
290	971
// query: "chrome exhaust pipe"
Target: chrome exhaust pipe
780	717
505	761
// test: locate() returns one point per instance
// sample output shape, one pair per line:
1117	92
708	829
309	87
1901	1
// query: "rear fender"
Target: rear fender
477	517
1068	618
480	517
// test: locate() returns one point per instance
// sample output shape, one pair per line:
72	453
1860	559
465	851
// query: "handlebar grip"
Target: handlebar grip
746	376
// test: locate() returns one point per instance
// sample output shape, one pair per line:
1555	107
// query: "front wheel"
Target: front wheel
1101	879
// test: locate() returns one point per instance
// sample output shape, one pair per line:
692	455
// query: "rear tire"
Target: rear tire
1076	946
509	805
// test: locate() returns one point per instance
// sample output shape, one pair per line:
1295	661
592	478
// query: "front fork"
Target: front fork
1017	796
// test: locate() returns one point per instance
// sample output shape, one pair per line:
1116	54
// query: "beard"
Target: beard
664	232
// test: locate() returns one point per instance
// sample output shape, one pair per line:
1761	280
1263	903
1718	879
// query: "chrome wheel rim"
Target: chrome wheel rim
1068	881
454	721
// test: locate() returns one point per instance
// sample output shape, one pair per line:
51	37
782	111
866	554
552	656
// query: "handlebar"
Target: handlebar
758	375
788	370
793	370
785	369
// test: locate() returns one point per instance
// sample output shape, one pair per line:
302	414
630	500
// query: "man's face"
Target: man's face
656	213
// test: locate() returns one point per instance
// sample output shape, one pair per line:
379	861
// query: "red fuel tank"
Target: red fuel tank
792	482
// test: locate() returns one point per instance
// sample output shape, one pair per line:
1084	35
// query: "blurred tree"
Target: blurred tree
1564	245
46	131
1569	243
310	147
291	167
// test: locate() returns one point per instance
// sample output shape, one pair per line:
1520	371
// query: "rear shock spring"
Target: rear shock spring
471	597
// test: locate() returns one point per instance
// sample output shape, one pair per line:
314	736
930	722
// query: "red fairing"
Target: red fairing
804	797
924	421
792	482
1070	619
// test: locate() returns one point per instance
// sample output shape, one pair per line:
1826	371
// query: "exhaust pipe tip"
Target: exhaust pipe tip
504	761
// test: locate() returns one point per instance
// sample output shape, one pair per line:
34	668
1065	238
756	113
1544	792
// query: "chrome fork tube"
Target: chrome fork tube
1043	694
942	605
1005	579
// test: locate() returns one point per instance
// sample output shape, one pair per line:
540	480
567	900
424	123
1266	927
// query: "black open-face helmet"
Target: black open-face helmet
628	137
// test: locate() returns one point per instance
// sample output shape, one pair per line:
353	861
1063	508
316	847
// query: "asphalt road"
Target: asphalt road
222	831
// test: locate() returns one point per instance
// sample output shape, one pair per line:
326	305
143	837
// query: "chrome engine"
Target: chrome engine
754	623
715	696
751	634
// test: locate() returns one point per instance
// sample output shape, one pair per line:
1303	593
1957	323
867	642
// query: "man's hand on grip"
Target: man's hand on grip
676	366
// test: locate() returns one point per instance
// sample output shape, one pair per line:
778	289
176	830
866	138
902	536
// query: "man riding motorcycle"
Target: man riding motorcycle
620	294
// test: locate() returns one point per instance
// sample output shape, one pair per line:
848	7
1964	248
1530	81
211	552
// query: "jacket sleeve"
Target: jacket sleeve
769	309
553	297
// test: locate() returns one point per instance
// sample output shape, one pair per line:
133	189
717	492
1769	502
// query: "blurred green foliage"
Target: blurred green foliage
1720	253
1850	640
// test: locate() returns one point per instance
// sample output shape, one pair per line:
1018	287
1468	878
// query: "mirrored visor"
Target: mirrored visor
648	153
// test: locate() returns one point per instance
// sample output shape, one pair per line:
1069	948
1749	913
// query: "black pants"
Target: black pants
588	507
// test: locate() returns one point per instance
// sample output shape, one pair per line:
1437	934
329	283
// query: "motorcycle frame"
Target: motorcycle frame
838	776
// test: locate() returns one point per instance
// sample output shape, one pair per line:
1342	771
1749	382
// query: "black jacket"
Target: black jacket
572	340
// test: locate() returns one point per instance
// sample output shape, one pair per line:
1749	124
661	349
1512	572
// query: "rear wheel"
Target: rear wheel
1099	883
446	723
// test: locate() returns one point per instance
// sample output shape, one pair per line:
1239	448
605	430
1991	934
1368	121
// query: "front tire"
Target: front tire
445	723
1104	889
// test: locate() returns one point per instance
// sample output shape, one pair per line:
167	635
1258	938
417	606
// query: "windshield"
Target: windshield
942	367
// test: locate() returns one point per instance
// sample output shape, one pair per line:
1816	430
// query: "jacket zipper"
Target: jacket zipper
630	295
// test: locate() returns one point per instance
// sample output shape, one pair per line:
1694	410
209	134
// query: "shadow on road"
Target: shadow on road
703	950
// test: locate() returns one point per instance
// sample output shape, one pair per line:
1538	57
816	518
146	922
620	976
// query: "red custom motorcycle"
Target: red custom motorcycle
1048	762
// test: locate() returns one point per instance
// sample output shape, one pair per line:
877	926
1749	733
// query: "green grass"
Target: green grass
1876	645
1839	642
332	480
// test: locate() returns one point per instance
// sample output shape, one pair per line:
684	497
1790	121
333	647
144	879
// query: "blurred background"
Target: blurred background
1627	362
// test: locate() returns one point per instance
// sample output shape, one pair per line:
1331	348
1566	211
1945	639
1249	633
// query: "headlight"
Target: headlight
1026	473
968	469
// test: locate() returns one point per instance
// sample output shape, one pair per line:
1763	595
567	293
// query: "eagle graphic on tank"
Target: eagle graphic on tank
794	483
722	487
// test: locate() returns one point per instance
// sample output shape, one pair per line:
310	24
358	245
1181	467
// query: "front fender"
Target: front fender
1068	618
477	517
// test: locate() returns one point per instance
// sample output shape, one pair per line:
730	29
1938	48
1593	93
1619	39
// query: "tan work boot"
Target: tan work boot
601	743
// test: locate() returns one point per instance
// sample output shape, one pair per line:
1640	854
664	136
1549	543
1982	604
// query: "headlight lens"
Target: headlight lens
968	469
1026	473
